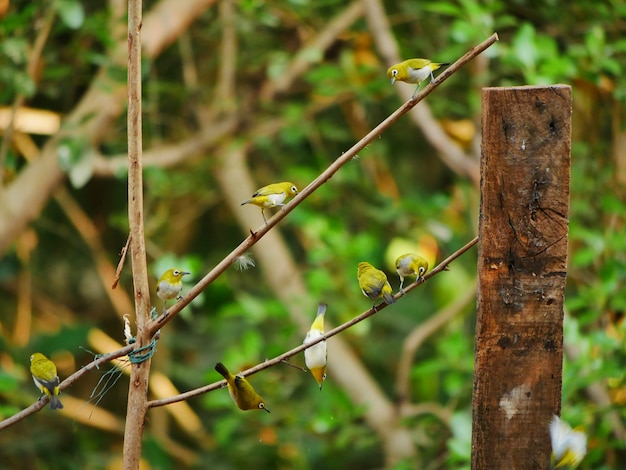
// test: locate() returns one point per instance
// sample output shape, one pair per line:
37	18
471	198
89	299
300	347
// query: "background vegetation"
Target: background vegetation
241	94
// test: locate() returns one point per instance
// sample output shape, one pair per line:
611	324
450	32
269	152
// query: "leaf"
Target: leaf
71	12
443	9
76	158
524	46
82	171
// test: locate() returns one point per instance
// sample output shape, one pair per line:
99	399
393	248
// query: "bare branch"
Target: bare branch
166	156
140	371
120	264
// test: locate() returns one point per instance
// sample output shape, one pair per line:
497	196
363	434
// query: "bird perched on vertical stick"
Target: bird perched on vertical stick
45	376
241	391
569	446
410	264
373	283
170	285
272	195
315	356
413	71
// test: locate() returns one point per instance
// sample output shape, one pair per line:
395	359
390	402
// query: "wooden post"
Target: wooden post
522	255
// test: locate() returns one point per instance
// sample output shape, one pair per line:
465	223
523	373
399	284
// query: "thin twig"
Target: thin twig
120	265
292	352
295	366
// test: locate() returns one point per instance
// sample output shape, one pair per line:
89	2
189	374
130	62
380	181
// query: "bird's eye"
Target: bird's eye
422	271
324	377
176	272
31	357
294	189
394	72
261	405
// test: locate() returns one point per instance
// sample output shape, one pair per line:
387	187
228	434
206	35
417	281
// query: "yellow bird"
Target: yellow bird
241	391
569	446
373	283
413	71
410	264
272	195
315	356
45	376
170	285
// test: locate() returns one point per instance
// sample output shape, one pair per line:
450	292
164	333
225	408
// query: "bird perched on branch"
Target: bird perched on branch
315	356
241	391
170	285
410	264
413	71
272	195
569	446
373	283
45	376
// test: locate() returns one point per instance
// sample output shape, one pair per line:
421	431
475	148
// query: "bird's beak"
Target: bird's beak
393	80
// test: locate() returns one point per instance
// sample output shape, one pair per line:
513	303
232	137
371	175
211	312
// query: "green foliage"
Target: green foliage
71	12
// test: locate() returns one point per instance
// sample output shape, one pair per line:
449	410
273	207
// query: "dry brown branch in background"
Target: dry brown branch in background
23	199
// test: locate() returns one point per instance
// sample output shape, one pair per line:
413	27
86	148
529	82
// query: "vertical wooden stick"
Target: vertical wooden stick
138	388
522	255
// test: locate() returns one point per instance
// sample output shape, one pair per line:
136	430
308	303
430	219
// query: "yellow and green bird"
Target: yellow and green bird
410	264
170	285
373	283
241	391
569	446
272	195
413	71
45	376
315	356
